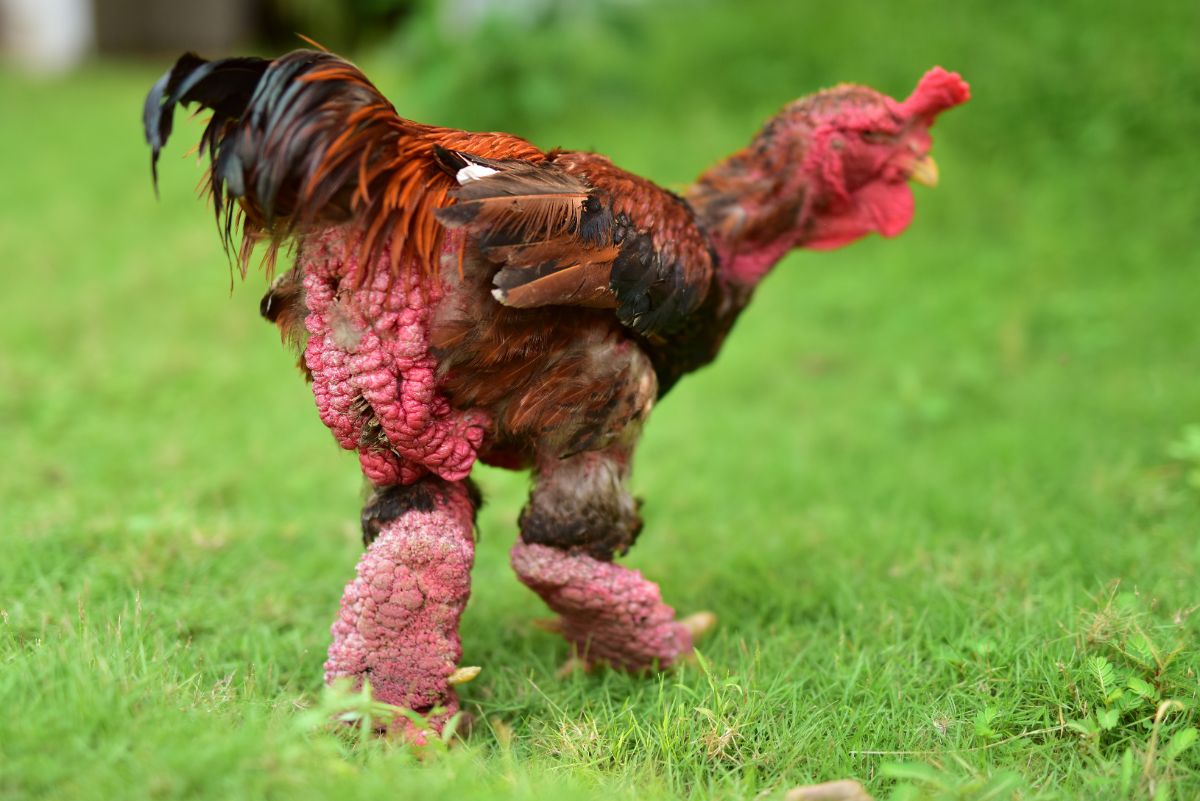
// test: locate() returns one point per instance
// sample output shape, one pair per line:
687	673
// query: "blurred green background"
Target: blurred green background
943	491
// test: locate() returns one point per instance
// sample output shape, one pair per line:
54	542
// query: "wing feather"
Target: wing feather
575	230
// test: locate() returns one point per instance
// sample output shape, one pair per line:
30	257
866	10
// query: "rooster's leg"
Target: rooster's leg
398	624
579	514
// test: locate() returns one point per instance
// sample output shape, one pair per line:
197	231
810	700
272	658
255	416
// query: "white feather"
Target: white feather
473	172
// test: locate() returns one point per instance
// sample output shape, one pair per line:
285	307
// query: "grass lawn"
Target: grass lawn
941	491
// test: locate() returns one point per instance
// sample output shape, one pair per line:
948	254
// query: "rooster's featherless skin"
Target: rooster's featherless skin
463	296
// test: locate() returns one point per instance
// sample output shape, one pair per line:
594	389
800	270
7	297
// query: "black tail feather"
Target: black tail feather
224	86
282	141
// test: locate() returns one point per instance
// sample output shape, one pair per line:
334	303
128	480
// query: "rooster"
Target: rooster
460	297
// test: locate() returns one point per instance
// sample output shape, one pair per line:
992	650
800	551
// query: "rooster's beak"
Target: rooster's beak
924	171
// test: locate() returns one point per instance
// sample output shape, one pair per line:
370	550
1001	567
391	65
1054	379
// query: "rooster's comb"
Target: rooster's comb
937	91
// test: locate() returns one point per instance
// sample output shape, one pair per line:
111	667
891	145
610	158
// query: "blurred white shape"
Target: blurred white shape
46	35
473	172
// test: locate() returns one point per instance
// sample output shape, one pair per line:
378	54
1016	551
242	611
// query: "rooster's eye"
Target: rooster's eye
875	137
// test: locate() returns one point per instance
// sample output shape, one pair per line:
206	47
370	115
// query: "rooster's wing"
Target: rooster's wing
576	230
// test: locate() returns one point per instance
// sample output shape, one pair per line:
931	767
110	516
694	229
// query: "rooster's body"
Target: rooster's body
464	296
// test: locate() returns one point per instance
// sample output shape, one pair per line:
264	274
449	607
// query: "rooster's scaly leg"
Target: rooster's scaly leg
579	515
398	624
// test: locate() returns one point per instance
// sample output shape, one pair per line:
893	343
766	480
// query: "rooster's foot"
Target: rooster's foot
609	613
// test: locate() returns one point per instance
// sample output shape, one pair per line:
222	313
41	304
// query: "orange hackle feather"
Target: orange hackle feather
396	183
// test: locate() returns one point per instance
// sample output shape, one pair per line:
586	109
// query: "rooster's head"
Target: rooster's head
826	170
857	149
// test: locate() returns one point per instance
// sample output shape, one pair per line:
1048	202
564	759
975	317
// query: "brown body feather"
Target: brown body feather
554	383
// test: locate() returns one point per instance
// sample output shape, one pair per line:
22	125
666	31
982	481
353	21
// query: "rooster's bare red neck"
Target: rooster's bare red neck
754	210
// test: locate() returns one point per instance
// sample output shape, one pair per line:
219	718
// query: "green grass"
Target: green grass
940	490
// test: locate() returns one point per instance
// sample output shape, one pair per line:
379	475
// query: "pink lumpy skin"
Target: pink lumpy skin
398	622
373	373
609	613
